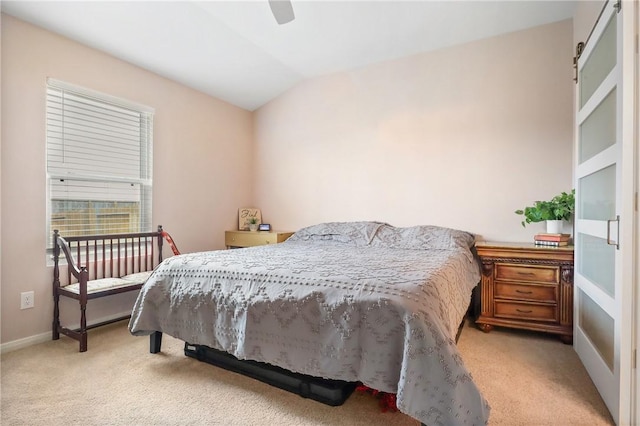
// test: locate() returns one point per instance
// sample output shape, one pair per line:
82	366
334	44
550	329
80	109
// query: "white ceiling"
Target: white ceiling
235	51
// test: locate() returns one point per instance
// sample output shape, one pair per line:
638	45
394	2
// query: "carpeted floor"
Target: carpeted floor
529	379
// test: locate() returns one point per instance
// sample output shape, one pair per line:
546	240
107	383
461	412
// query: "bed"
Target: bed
353	301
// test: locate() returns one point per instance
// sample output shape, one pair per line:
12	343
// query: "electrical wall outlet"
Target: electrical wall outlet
27	300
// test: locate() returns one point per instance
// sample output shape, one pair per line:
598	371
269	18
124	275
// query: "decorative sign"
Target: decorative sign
244	214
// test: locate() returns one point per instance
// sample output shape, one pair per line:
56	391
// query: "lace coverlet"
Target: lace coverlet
372	311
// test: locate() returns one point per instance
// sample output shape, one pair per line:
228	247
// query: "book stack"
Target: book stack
553	240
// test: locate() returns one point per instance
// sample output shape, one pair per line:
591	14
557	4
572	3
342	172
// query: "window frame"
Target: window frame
144	179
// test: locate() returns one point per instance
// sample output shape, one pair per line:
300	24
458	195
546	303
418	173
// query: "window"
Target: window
99	163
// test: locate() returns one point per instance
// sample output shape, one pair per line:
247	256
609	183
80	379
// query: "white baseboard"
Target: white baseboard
25	342
14	345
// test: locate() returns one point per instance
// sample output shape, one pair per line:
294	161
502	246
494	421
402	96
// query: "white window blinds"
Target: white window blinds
99	162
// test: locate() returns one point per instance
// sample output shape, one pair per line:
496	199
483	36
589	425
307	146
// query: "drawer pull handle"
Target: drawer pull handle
523	311
524	292
526	274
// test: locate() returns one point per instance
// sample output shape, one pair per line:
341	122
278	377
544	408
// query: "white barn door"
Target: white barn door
605	188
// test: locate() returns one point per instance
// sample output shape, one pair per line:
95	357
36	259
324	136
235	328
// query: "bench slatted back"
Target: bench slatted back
112	256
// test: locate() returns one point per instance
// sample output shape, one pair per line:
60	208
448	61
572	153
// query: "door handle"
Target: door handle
617	241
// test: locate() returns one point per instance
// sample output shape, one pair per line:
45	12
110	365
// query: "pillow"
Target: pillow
354	233
423	237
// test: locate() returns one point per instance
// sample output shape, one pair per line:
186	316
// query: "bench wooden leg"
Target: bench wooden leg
83	342
55	326
155	342
83	327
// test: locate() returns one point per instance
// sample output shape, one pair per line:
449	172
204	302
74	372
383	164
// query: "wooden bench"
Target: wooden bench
99	266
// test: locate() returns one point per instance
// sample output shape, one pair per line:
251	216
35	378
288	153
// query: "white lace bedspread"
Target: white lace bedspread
371	310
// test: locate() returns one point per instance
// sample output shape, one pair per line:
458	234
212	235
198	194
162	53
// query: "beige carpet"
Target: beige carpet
529	379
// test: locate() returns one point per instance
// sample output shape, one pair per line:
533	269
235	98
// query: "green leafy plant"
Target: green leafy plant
560	207
252	220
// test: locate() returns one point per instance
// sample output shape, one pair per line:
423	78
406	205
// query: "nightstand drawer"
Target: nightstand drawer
251	239
530	273
247	240
524	311
535	293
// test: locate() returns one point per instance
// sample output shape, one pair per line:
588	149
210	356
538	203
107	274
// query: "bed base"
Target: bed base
329	392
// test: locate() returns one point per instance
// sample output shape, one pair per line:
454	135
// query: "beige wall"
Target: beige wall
201	145
585	16
459	137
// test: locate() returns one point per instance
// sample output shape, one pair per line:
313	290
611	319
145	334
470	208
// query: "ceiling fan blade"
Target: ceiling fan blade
282	10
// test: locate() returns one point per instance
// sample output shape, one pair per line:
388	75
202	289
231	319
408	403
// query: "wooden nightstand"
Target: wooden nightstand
254	238
526	286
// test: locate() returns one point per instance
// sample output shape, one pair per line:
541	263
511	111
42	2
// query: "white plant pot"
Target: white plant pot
554	226
253	227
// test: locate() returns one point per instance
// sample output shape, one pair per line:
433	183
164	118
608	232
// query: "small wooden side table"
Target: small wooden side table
254	238
526	286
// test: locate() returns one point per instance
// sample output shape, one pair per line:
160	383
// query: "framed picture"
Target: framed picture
244	214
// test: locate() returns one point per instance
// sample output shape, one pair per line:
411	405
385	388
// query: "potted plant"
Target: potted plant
253	223
554	211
